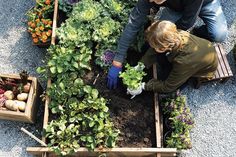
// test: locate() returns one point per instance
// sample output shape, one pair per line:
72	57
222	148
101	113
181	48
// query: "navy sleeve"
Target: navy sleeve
137	19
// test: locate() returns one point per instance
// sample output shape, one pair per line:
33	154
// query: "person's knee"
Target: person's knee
219	34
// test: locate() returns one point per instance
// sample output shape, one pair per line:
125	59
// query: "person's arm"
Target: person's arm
191	11
137	19
178	76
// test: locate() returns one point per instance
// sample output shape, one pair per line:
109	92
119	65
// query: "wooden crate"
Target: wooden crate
31	104
223	72
158	151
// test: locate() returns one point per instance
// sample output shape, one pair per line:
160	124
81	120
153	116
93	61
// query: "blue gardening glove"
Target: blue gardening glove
136	91
112	77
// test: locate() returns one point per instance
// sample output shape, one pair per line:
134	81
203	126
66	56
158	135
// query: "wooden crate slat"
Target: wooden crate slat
226	63
220	61
157	113
126	152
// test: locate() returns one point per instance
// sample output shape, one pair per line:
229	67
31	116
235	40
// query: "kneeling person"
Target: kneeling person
189	56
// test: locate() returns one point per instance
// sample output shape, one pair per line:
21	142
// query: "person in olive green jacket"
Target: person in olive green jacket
189	56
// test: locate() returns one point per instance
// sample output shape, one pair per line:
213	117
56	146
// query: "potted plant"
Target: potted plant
40	22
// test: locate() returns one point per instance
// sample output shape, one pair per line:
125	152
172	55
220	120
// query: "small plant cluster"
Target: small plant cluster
39	22
14	93
97	24
132	77
63	59
67	5
181	122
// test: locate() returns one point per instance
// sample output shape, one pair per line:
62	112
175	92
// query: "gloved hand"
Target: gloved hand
112	77
139	67
136	91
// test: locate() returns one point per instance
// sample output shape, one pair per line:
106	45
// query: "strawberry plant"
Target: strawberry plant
132	77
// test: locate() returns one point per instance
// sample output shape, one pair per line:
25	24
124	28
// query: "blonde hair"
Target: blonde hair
163	36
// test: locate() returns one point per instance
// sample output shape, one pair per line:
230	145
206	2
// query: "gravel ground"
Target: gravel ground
213	105
17	54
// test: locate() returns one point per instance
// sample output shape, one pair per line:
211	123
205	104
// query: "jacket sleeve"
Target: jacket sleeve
137	19
149	58
178	76
190	13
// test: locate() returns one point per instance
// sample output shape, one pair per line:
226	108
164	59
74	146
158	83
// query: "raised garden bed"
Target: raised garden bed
138	120
30	111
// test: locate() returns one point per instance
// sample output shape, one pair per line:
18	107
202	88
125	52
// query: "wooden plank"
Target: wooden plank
220	60
157	115
115	151
222	63
53	41
216	74
54	24
226	63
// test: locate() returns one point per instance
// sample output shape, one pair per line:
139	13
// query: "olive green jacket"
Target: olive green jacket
196	58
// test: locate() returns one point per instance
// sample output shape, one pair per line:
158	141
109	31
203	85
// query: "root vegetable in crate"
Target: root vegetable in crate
25	87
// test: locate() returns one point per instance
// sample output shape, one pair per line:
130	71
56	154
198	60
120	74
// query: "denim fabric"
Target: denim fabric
214	18
215	27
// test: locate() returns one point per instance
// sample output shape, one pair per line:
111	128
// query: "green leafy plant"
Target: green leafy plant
85	122
67	5
132	77
181	121
95	24
62	60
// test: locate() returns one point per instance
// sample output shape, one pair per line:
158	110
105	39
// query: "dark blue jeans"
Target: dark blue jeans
215	27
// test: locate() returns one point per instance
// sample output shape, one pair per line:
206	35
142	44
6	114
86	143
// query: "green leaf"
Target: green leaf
40	70
76	65
94	93
53	70
91	124
59	69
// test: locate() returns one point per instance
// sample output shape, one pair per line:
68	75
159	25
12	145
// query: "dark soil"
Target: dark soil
134	118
